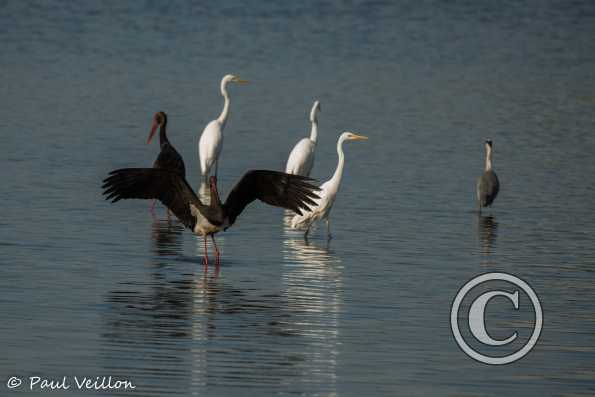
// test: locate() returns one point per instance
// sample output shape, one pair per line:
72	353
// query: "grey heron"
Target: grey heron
488	185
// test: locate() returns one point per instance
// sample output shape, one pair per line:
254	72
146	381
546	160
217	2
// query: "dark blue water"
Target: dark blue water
93	289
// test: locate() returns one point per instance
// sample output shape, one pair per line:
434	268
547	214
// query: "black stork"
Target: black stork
168	157
488	184
275	188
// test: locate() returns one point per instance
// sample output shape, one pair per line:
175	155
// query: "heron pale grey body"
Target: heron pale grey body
488	184
487	188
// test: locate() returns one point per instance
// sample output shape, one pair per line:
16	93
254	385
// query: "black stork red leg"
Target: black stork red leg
205	260
217	253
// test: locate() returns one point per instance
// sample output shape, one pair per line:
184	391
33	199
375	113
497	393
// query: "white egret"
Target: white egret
211	140
301	158
488	185
328	192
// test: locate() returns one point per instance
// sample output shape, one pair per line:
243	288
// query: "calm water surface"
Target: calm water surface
93	289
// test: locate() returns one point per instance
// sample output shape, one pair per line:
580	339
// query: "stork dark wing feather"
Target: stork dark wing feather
292	192
153	183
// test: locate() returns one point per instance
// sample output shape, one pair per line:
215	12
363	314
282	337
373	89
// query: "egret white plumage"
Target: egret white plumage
328	192
211	140
301	158
488	184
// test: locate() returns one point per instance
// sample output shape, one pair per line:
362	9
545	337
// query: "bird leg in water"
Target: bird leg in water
205	260
217	253
328	229
306	232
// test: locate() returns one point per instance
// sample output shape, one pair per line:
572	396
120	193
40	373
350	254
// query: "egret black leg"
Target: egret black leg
307	231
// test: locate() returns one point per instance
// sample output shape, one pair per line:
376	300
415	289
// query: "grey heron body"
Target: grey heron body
488	184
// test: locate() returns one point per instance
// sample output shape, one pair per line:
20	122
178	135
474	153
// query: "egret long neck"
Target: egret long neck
488	158
314	131
314	121
336	179
225	112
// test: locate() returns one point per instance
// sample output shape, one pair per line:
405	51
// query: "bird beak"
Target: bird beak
359	138
213	185
153	129
240	81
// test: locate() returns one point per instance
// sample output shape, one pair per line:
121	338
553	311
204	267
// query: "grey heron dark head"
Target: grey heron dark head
489	143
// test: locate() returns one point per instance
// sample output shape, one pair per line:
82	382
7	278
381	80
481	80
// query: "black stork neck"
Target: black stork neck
162	130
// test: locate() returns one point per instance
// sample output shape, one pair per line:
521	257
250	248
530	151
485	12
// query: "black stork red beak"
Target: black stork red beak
153	129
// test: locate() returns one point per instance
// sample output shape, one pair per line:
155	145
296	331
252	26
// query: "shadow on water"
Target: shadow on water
487	231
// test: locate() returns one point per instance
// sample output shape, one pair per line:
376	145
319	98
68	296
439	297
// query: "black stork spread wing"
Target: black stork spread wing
292	192
164	185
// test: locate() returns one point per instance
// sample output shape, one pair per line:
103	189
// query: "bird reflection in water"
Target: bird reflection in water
204	193
149	309
166	236
313	282
487	230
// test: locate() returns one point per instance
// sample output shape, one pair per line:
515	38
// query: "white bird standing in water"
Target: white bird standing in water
301	158
328	192
211	140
